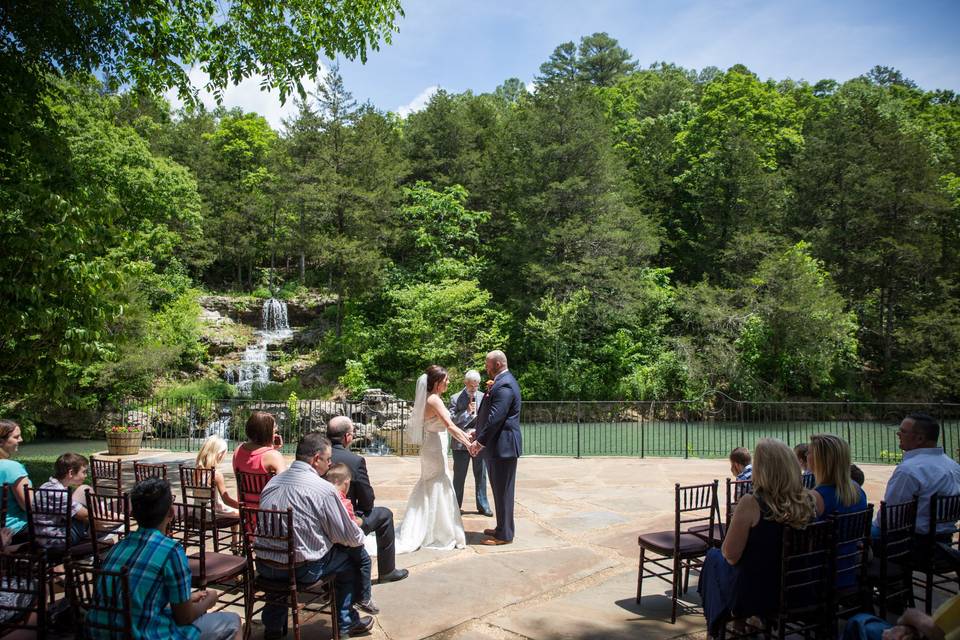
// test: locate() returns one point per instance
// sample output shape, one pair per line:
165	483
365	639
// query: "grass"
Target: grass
870	441
38	457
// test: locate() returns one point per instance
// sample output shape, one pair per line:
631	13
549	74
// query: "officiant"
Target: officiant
463	411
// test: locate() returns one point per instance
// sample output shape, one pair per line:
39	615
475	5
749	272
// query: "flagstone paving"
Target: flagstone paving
572	570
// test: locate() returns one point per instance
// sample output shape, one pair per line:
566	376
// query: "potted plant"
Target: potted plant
123	440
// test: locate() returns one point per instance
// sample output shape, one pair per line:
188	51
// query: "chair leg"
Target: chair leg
677	575
686	578
334	614
640	575
296	615
928	592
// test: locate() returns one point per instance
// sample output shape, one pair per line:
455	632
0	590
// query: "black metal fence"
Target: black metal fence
707	427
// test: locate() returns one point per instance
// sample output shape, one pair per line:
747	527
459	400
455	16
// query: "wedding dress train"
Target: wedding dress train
432	519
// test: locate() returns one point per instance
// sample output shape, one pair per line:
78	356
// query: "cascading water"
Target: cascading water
253	369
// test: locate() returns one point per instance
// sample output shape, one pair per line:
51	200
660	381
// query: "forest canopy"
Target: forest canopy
623	232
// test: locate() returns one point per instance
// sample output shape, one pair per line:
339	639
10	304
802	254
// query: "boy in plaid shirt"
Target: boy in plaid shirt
161	600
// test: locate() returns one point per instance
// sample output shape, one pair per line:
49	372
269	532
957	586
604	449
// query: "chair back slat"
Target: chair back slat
736	489
944	510
144	470
894	551
694	504
806	566
49	518
106	476
105	595
269	529
24	576
250	486
197	486
808	480
852	544
108	513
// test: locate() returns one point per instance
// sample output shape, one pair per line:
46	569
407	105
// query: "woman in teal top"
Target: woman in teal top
835	492
13	474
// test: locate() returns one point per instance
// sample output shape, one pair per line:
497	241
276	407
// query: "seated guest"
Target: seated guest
857	475
740	465
742	578
801	452
14	474
925	470
914	624
261	452
339	476
836	493
375	519
162	605
210	456
322	530
69	472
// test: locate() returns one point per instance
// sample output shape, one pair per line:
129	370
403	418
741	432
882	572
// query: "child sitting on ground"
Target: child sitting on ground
339	476
211	455
69	472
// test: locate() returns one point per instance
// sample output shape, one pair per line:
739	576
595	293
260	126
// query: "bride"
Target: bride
432	519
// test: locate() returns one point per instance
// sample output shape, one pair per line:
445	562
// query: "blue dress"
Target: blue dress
832	506
752	586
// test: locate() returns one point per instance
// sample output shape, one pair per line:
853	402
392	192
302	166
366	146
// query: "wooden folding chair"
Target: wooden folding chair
274	530
806	587
197	487
939	572
682	550
23	576
105	597
208	568
144	470
49	521
851	561
109	515
891	571
106	476
250	486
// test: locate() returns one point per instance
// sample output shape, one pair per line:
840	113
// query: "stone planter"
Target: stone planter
124	443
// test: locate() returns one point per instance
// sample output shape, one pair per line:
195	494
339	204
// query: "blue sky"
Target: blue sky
469	44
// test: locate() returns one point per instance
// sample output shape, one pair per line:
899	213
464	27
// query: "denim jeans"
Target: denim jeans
338	561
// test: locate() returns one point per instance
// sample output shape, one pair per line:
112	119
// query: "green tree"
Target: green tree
602	61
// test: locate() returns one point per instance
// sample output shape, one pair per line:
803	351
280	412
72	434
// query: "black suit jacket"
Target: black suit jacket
361	493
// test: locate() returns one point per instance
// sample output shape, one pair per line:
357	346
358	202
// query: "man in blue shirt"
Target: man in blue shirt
925	470
162	604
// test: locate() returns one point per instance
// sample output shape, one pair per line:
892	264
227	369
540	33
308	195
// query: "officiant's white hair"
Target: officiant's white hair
471	375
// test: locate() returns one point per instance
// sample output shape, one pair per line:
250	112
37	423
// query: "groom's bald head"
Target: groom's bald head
496	362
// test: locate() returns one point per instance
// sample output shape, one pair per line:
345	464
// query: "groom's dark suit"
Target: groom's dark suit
498	430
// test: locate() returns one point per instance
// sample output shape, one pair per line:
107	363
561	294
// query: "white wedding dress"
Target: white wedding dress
432	519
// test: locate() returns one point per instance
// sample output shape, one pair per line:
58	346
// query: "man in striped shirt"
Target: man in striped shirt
326	540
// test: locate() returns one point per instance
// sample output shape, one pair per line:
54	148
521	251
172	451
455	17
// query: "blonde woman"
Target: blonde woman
836	493
742	578
829	459
211	455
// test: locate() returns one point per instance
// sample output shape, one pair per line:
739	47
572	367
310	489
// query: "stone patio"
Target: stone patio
572	570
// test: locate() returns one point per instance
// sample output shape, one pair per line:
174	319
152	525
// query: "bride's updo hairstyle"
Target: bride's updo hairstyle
435	375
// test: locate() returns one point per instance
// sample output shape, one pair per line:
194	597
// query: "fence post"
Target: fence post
403	425
943	427
578	427
686	432
640	420
846	418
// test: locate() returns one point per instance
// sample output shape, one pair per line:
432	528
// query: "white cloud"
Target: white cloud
417	103
248	96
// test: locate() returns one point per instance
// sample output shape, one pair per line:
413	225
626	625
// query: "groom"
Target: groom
498	432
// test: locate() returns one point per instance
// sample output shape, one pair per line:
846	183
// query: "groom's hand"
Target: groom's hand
475	448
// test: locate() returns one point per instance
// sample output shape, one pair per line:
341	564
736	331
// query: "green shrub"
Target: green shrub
206	389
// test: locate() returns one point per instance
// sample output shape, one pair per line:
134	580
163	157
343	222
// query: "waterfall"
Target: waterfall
253	369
